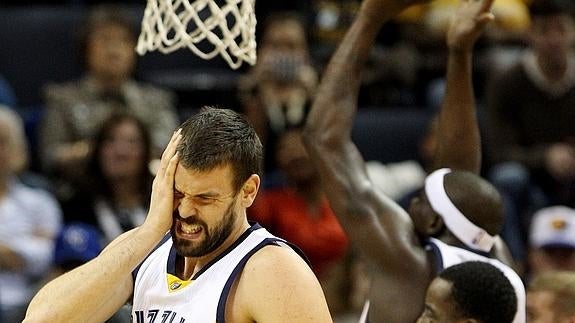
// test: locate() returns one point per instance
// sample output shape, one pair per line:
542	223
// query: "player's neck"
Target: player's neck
448	238
192	265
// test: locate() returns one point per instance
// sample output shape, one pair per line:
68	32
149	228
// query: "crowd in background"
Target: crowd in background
80	175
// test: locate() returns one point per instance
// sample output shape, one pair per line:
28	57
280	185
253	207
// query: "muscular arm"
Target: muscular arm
459	142
373	221
97	289
376	225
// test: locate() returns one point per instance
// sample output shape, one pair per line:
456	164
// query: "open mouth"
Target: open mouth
189	231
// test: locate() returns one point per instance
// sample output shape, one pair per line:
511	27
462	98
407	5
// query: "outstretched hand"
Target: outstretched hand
468	23
162	200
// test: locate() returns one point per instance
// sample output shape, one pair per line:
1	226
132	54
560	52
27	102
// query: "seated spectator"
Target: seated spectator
277	91
29	221
531	113
115	187
300	213
552	240
551	298
76	110
76	244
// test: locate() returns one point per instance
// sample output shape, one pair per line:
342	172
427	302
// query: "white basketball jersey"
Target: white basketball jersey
160	296
448	256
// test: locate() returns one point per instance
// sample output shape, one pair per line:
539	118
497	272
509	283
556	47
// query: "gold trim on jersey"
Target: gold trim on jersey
175	284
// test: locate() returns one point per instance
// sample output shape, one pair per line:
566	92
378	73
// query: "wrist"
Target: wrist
152	231
459	50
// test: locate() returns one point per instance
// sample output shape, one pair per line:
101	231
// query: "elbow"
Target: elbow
41	311
311	138
33	316
47	316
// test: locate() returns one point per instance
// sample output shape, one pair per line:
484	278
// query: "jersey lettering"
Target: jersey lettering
167	316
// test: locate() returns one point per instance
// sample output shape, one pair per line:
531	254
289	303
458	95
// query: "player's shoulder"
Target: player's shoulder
274	255
278	284
275	264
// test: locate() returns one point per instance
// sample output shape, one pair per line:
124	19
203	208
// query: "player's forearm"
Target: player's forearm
459	139
85	293
336	101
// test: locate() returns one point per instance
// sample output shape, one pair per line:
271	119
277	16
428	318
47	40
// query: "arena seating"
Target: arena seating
39	45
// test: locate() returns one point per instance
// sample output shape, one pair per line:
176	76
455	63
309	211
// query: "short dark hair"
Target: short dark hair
477	199
214	137
551	7
481	291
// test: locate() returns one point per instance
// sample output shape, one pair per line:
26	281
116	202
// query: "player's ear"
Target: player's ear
436	225
249	190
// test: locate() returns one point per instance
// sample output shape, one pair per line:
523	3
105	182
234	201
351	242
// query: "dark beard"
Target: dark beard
213	239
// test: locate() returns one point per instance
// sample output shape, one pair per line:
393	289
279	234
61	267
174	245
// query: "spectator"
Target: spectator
300	213
76	244
552	240
75	110
531	113
276	93
551	298
29	221
117	183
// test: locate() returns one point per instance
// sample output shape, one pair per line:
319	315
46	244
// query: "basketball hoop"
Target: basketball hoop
206	27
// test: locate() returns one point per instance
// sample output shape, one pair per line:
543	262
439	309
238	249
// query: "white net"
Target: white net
206	27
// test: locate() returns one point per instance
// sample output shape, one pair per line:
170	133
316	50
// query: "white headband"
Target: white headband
471	235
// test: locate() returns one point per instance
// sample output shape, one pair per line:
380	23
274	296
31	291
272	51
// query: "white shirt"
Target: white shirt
30	218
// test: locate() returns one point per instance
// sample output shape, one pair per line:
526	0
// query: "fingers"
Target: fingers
485	18
170	150
171	167
486	5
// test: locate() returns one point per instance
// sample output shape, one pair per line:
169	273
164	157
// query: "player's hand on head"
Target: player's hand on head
162	200
468	23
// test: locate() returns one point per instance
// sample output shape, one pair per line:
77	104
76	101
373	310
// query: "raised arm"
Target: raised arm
459	142
372	220
327	133
97	289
